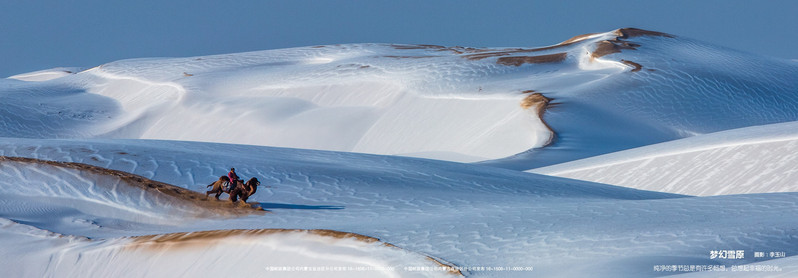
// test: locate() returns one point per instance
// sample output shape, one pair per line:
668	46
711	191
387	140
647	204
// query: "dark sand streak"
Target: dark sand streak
203	238
178	194
520	60
540	103
637	67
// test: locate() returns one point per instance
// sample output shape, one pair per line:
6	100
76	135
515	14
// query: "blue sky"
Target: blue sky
37	35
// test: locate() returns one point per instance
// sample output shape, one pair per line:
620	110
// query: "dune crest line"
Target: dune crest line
208	206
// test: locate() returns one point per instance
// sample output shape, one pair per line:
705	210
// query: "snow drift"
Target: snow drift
758	159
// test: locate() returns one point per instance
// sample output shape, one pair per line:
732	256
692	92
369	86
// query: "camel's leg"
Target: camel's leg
233	195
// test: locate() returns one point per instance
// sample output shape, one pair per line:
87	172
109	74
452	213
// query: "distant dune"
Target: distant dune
611	91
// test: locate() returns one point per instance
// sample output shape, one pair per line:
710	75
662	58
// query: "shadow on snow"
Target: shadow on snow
295	206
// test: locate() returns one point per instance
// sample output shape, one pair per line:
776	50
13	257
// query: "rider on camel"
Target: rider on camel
232	177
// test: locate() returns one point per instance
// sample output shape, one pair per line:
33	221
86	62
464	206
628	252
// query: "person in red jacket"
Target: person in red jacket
233	178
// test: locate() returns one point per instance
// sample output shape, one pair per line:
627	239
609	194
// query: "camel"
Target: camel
244	190
218	187
239	190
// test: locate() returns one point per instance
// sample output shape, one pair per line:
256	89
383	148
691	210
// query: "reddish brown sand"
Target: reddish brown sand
417	46
607	47
634	32
202	238
637	67
407	57
155	188
576	39
540	103
505	57
520	60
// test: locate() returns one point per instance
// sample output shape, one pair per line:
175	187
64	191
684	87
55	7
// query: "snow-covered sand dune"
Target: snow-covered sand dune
756	159
33	190
81	188
608	91
247	253
44	75
679	88
469	215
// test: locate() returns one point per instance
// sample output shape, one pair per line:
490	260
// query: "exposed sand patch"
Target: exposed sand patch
576	38
481	56
159	243
603	48
462	50
607	47
203	237
155	189
407	57
416	46
504	52
634	32
536	100
520	60
618	44
540	103
453	49
637	67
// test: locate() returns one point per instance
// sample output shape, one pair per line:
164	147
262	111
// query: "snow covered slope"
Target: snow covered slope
678	87
757	159
84	191
601	93
468	215
44	75
254	253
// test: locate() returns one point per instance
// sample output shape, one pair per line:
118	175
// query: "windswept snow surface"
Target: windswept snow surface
756	159
44	75
41	197
609	91
103	169
469	215
254	253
